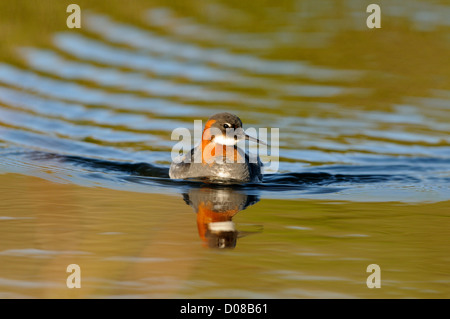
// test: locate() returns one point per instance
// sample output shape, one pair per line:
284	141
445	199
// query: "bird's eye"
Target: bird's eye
226	125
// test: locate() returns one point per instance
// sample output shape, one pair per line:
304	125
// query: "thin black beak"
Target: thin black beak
239	134
254	139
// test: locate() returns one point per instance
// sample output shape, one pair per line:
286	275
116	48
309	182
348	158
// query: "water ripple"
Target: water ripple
82	94
97	108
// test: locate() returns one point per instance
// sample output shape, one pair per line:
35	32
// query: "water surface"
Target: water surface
86	118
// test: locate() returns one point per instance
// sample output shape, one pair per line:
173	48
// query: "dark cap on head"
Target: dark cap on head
225	120
221	240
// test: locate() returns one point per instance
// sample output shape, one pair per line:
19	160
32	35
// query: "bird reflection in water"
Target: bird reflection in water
215	208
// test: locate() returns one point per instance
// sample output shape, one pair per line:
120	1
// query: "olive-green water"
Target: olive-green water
86	117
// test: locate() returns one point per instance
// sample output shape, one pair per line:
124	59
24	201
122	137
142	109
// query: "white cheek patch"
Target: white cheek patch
225	140
222	226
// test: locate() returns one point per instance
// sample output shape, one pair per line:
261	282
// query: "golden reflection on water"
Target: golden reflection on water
143	245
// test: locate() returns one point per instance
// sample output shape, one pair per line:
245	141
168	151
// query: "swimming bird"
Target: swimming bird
217	157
